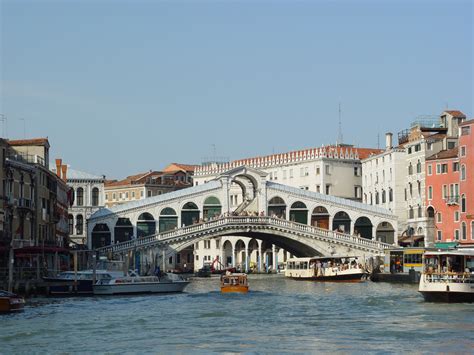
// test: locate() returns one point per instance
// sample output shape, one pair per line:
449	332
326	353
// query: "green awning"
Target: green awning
446	245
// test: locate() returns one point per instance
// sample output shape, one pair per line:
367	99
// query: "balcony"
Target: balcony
25	203
452	200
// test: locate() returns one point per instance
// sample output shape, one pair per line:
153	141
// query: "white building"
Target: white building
383	181
87	196
395	179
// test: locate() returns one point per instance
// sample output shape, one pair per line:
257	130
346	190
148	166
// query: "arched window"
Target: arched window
463	172
390	194
383	196
80	196
418	167
463	203
95	196
419	212
410	169
79	224
463	231
410	213
376	197
472	230
70	219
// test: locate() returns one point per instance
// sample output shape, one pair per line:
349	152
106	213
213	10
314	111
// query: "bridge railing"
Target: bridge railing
248	222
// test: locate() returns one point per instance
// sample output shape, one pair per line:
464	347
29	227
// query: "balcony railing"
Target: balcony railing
452	200
27	158
451	277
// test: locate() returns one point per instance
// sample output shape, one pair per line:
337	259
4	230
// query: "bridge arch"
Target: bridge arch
189	214
277	207
123	230
363	226
385	232
168	219
299	212
101	235
146	225
342	221
212	208
227	253
320	217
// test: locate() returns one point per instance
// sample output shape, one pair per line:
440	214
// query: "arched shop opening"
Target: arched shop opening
101	236
363	226
212	208
277	207
146	225
320	217
168	220
342	222
189	214
299	213
123	230
385	233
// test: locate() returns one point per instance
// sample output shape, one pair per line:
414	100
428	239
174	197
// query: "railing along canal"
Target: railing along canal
247	222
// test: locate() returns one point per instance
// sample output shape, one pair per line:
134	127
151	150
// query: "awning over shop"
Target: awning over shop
446	245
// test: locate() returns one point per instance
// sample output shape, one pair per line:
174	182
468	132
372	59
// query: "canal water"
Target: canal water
277	316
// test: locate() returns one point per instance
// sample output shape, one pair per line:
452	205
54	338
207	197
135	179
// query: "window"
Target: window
318	170
438	169
419	188
141	193
80	196
463	151
463	231
439	218
357	191
417	148
275	175
420	212
126	195
456	216
430	192
356	171
411	189
418	167
451	145
79	224
463	203
95	196
107	197
120	196
390	194
439	235
291	173
328	189
327	170
409	150
406	195
411	214
113	196
472	230
149	193
70	219
444	168
463	172
455	166
318	188
456	234
465	131
133	194
429	146
430	169
445	191
217	243
376	197
383	196
410	169
306	171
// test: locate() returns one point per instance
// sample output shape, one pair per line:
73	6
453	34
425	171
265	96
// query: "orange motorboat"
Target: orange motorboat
237	283
10	302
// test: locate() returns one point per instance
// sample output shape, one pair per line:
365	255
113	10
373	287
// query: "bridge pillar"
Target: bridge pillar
352	227
233	255
331	220
247	260
135	236
274	257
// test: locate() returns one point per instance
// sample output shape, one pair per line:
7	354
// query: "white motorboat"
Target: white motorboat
448	276
167	283
333	268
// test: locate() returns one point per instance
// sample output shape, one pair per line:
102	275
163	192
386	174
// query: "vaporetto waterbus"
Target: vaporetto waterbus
333	268
448	276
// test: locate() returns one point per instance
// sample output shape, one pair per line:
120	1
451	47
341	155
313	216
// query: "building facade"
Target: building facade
153	183
466	183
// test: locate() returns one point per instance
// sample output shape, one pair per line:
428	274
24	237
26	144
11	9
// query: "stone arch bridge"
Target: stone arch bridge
299	221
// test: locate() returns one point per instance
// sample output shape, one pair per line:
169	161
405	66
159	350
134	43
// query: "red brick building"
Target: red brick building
466	184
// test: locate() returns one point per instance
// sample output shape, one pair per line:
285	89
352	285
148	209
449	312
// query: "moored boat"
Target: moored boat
10	302
166	283
448	276
333	268
234	283
400	265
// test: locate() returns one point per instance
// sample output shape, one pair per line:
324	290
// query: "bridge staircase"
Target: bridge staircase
243	206
312	236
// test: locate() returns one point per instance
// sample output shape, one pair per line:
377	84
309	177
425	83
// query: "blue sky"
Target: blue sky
121	87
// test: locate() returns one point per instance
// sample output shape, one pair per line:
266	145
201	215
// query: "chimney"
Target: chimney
64	170
58	167
388	141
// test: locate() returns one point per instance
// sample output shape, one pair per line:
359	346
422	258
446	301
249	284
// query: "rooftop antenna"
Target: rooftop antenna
3	118
339	136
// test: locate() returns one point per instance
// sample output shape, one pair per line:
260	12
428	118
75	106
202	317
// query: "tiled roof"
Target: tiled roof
73	174
466	123
176	166
445	154
436	136
33	141
455	113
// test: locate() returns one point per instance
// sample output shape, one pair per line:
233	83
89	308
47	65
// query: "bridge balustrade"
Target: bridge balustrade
248	222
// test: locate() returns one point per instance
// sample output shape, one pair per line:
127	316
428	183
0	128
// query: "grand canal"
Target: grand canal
278	315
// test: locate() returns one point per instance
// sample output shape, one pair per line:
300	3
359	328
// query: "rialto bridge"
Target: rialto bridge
301	222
